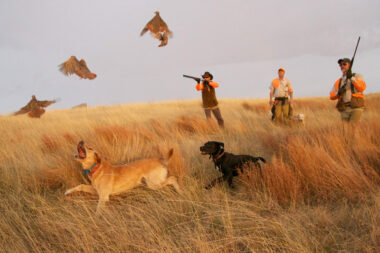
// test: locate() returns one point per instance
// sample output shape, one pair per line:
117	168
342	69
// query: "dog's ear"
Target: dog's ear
221	145
97	158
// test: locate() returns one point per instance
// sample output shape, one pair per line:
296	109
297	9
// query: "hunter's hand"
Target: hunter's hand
349	74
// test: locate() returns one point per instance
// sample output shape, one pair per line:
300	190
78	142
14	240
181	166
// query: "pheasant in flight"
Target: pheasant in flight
73	66
159	29
34	107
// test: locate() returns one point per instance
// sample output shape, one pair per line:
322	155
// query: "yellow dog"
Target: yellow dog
107	179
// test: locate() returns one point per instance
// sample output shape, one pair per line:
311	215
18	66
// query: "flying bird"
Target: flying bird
34	107
73	66
159	29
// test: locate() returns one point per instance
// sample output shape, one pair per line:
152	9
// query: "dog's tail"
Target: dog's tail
165	160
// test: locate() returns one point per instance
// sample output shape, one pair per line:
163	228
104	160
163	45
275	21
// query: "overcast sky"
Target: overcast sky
242	42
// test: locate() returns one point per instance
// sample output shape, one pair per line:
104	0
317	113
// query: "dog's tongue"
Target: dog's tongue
81	152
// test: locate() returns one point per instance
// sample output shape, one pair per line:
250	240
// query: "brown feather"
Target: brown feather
46	103
158	29
33	108
73	66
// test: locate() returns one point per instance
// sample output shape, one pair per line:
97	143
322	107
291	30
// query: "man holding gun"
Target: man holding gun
349	91
210	104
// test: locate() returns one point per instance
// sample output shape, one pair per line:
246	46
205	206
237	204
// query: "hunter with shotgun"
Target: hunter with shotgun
210	104
349	91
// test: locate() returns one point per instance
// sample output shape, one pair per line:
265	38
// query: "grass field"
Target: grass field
319	191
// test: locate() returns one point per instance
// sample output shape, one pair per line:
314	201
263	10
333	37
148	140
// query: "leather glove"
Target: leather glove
349	74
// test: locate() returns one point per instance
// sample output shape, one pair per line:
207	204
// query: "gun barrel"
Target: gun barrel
197	79
189	76
352	63
356	48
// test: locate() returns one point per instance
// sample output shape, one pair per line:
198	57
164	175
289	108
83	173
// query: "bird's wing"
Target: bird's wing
144	30
153	25
70	66
169	33
46	103
84	70
25	109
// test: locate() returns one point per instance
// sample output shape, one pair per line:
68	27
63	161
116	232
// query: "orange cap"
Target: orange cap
281	69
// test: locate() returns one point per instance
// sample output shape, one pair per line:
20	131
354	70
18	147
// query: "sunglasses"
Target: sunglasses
343	64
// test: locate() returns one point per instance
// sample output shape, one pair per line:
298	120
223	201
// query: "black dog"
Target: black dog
227	163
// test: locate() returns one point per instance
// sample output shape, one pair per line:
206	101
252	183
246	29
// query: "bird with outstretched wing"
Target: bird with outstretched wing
159	29
73	66
34	107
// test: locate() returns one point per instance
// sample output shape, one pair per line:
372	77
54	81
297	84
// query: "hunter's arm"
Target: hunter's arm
334	91
358	82
199	86
290	89
214	84
271	93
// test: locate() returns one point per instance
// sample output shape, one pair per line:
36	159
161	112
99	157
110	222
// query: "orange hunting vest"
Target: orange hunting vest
358	93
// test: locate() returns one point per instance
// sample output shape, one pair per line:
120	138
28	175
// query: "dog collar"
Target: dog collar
92	169
218	157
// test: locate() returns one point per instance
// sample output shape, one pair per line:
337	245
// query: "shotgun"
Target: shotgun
343	87
197	79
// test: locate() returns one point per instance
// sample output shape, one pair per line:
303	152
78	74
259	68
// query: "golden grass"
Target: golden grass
319	191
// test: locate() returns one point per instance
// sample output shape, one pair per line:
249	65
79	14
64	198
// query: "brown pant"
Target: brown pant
281	111
217	115
352	114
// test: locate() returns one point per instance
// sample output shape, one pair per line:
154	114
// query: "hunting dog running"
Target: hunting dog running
227	163
107	179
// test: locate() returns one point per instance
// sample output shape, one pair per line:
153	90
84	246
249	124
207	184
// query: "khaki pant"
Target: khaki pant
217	115
281	111
351	115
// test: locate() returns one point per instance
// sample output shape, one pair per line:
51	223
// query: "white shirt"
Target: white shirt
348	94
283	89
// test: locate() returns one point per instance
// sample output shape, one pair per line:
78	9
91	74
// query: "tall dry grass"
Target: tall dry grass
319	191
